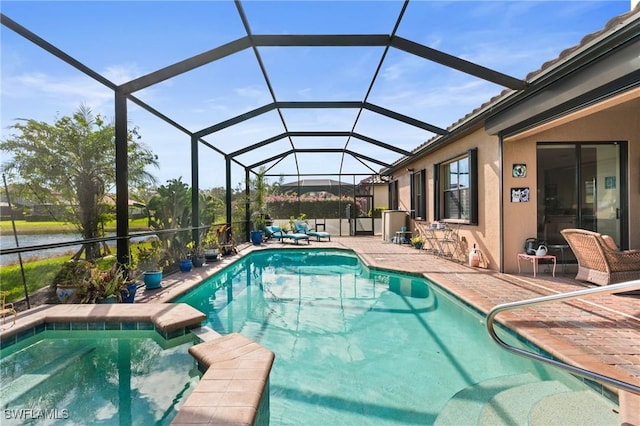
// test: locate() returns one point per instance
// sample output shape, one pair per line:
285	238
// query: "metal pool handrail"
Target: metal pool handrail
613	288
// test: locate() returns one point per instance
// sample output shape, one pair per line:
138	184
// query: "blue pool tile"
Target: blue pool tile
99	325
146	326
129	326
112	326
79	326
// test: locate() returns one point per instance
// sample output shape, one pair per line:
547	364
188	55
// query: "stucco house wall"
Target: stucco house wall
485	235
618	123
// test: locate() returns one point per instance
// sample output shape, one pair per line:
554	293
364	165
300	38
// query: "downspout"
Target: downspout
122	179
501	198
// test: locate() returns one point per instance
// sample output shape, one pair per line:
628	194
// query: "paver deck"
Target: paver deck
600	333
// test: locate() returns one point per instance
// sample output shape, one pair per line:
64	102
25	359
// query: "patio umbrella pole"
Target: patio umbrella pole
15	237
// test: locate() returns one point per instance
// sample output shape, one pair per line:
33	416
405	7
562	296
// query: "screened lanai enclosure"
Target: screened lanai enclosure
232	94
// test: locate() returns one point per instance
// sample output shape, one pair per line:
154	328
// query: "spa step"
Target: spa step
26	382
465	407
512	406
575	408
524	400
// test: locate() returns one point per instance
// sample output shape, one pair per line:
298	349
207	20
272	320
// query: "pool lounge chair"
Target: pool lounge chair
297	236
599	259
277	233
303	228
274	232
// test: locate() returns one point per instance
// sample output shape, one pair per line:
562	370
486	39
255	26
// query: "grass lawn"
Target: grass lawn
40	273
50	227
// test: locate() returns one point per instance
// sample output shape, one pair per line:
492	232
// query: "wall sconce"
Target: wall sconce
410	169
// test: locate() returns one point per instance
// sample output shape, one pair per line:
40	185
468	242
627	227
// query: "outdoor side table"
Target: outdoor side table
534	261
562	248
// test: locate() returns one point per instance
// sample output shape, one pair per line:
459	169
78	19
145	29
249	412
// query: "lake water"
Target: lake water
8	241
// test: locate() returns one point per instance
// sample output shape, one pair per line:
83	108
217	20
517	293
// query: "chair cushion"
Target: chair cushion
301	227
610	243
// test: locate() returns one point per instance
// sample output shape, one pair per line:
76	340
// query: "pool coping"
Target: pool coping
234	388
168	319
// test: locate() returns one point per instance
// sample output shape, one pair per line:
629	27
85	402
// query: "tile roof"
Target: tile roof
611	26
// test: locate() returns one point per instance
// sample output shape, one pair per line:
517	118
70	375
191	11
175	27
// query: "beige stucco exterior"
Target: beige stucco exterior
617	120
614	120
485	235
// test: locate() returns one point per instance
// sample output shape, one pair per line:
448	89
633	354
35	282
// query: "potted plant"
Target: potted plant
149	260
225	241
128	293
259	213
110	285
211	248
74	275
196	254
185	262
417	241
259	222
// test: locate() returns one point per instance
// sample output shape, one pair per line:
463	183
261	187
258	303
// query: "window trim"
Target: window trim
438	203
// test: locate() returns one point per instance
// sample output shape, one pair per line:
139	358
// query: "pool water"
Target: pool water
97	378
354	346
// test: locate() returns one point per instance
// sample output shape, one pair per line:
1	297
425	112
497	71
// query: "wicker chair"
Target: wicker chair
599	259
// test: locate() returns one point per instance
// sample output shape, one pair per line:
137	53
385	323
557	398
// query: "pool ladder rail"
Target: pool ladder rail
602	379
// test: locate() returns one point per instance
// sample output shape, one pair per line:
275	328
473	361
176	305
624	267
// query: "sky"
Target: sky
124	40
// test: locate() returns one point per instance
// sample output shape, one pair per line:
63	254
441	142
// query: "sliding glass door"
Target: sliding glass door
580	185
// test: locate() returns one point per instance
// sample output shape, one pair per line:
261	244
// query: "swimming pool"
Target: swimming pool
96	377
353	345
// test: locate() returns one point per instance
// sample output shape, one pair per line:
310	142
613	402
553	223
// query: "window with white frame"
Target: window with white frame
457	188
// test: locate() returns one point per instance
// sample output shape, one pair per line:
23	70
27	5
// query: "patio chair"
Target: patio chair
274	232
599	259
450	241
7	308
303	228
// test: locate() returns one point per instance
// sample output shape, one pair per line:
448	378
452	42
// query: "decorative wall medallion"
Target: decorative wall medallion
519	170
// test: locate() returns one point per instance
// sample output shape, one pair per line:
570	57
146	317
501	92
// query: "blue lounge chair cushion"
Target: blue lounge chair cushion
297	237
303	228
275	232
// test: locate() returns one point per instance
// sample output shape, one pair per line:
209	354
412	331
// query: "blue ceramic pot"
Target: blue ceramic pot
186	265
129	295
256	237
152	279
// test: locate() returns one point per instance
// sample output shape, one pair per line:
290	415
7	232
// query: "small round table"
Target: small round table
562	248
